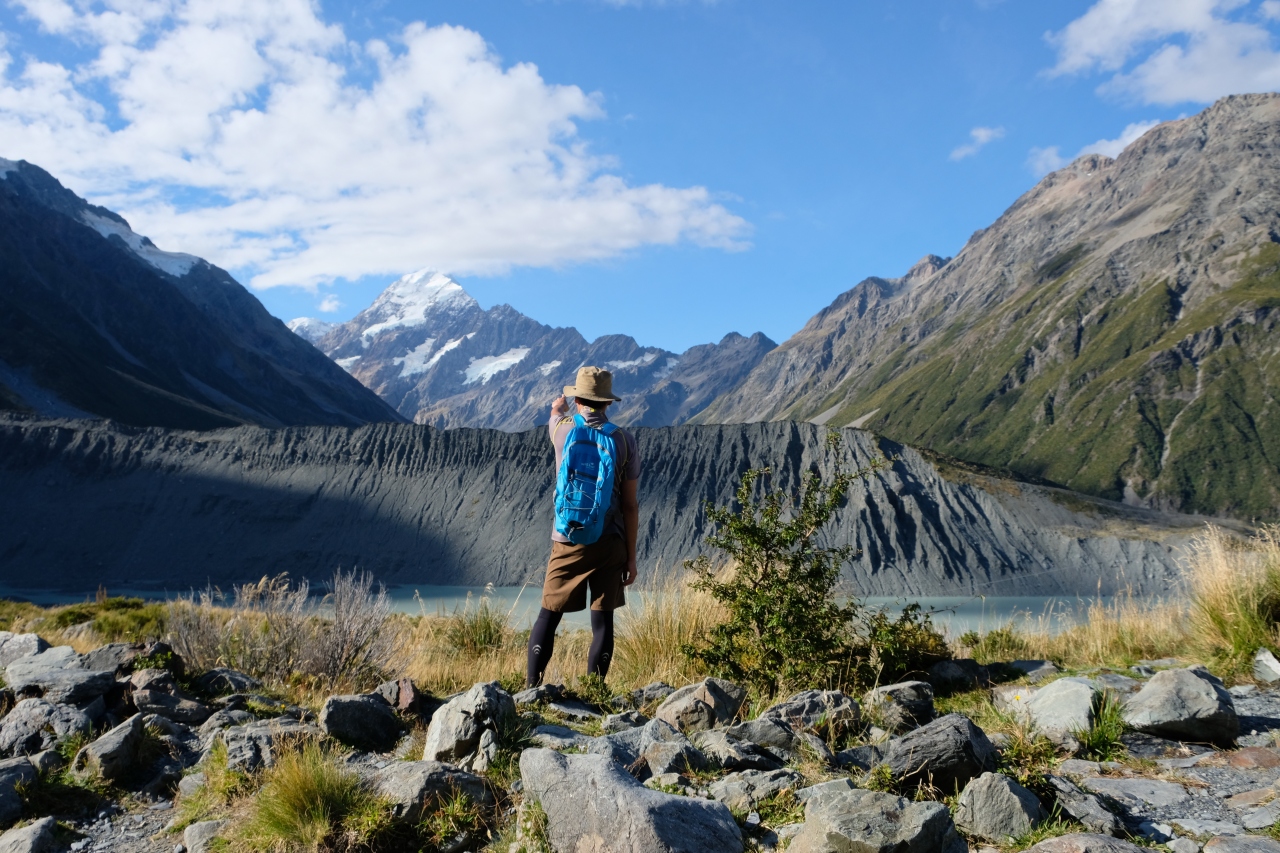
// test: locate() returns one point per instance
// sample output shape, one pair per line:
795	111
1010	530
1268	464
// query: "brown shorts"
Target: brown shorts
602	565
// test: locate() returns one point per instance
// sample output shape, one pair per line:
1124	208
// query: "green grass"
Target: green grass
222	785
116	619
1101	741
457	815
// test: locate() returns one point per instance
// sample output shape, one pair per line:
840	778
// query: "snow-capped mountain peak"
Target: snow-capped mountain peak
175	264
412	299
310	328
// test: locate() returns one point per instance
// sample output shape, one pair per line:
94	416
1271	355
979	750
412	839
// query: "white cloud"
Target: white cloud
259	136
979	137
1173	51
1041	161
330	304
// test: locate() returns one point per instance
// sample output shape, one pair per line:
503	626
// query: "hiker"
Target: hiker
593	541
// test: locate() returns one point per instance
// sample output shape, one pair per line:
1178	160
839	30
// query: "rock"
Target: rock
1081	842
1142	670
1084	807
1266	668
560	737
996	808
1254	758
56	674
35	837
14	646
655	692
902	706
365	722
13	774
47	762
959	674
191	785
771	733
1186	704
171	707
1239	691
947	753
743	791
159	680
1183	845
621	722
405	697
1034	670
807	710
1242	844
414	787
1116	682
35	725
217	682
872	822
464	730
711	702
541	694
1137	792
592	804
672	757
1195	826
114	756
574	709
843	783
1062	708
732	754
253	745
198	837
224	718
113	657
862	757
1013	699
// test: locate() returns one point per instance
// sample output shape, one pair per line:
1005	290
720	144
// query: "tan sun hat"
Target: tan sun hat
593	384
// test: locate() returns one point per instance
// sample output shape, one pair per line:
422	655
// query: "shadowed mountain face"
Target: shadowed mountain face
429	349
1114	331
96	321
87	503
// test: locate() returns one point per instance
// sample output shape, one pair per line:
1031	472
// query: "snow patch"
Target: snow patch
7	166
449	347
346	363
666	369
415	360
309	328
409	301
545	369
483	369
175	264
643	361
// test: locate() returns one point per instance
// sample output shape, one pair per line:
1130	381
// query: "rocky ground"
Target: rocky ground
119	749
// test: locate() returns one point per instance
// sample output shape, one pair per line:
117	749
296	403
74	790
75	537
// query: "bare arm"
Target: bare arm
558	408
631	521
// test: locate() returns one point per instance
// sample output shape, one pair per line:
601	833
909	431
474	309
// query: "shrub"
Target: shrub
1101	741
310	802
783	627
886	650
1234	589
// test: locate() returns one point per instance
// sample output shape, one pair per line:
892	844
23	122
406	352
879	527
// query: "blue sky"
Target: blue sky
673	171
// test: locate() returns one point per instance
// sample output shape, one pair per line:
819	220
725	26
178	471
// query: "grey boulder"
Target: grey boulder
363	721
1060	709
170	706
614	723
901	706
1034	670
729	753
996	808
115	756
1083	806
946	753
58	675
1242	844
672	757
812	708
113	657
220	681
12	774
415	787
465	730
199	837
35	837
592	804
743	791
1184	704
959	674
697	707
858	821
775	736
35	725
1266	668
255	745
14	646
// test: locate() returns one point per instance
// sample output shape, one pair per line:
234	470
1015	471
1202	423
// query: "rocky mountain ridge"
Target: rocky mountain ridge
88	503
429	349
95	320
1114	331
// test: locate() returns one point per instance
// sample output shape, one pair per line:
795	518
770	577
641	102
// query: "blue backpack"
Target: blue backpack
584	486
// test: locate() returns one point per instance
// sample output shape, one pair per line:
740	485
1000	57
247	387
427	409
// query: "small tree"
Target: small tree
783	626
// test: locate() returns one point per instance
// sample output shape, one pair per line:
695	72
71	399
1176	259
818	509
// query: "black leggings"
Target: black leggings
542	641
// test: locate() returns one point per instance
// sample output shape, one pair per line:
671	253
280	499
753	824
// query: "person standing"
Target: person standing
598	570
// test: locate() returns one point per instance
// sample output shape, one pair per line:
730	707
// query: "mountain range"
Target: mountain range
96	321
1115	331
429	349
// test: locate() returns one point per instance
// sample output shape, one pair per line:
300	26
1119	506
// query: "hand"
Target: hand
631	573
559	406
